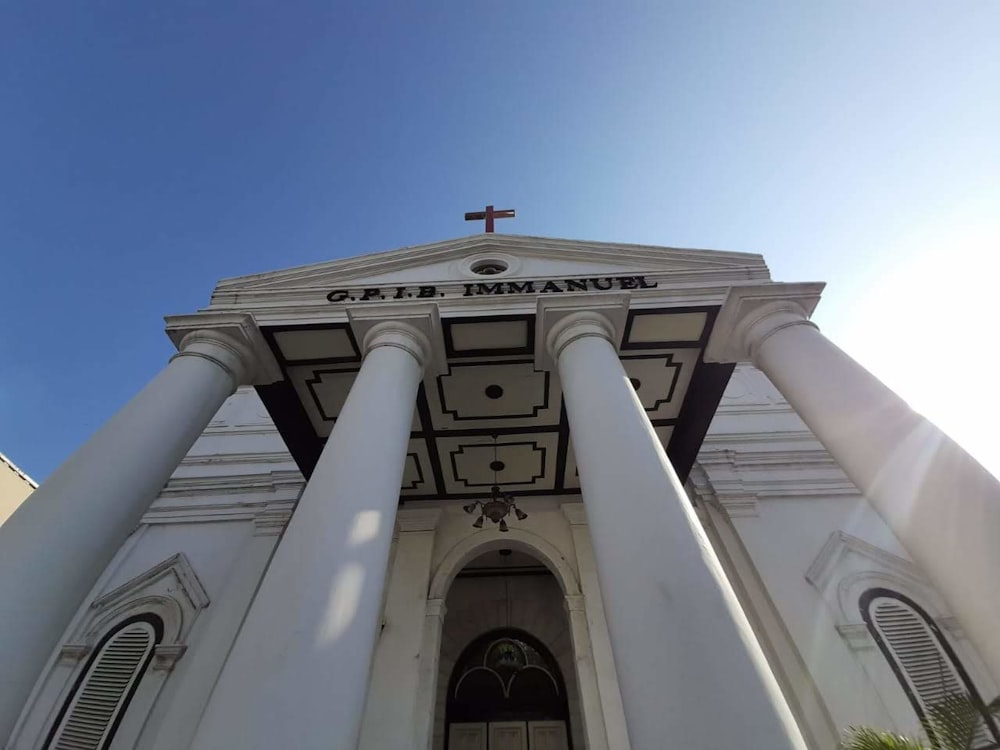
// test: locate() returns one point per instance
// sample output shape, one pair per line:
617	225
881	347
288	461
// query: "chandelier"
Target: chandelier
499	505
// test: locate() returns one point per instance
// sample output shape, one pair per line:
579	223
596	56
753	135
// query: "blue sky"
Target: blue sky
149	149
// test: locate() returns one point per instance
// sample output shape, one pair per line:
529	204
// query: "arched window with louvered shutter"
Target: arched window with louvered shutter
921	657
95	707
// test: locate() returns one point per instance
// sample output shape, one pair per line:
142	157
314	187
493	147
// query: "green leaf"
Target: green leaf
994	705
953	721
866	738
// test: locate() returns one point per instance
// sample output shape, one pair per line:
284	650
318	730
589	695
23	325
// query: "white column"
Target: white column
298	673
939	501
597	627
56	544
430	659
390	711
690	671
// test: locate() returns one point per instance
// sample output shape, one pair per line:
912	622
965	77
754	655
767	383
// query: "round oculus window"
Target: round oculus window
489	267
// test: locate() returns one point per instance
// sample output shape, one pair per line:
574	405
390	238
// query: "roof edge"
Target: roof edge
509	241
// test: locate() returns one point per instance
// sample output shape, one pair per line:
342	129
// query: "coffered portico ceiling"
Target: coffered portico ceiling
493	377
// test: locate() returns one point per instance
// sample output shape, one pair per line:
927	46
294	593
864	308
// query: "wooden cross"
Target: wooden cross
490	214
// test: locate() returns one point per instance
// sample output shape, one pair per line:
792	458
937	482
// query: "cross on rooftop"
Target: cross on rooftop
490	214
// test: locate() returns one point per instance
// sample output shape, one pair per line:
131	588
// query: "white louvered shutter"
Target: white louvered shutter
101	698
927	668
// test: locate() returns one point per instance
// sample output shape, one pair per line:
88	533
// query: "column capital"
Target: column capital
231	340
575	513
752	313
415	328
561	320
435	609
417	519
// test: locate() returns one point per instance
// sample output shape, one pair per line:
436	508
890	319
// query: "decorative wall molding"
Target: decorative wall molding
796	474
74	653
176	572
858	637
735	501
742	505
271	521
233	459
847	566
166	656
270	482
417	519
170	590
202	513
831	556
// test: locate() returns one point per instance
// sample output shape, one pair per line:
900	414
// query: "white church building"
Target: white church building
502	493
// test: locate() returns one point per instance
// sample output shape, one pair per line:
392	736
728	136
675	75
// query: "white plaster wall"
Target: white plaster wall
784	496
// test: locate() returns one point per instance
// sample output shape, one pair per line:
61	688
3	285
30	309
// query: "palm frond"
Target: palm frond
866	738
953	721
994	706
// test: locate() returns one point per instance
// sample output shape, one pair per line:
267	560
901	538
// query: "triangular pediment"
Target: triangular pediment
535	257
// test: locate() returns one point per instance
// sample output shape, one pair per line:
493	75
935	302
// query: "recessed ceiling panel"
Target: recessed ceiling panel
661	379
494	395
418	475
479	337
524	462
315	344
323	392
647	327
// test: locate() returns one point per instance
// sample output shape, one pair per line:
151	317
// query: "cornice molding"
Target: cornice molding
271	521
166	514
663	259
250	484
225	459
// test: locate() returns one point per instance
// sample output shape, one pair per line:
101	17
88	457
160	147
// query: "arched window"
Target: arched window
95	707
921	658
507	675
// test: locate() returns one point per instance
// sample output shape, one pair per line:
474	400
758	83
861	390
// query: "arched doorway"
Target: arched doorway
507	670
508	690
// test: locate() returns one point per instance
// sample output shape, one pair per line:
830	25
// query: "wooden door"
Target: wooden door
471	736
547	735
508	735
